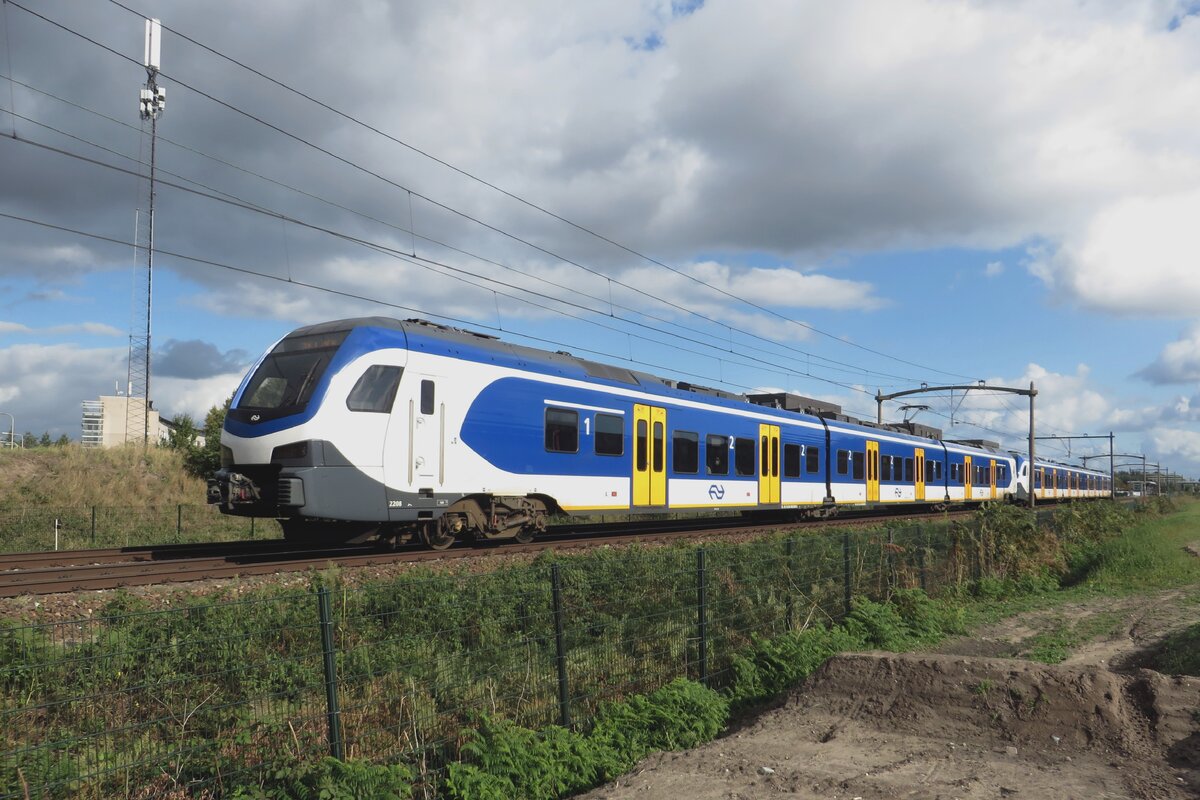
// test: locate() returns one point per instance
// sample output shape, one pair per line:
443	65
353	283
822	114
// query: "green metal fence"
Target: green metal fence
197	701
35	528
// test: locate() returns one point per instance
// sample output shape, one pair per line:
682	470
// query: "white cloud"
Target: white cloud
1136	255
1179	361
90	328
993	269
845	126
1175	444
44	384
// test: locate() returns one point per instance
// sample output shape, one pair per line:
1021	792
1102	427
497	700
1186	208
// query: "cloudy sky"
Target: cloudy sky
827	198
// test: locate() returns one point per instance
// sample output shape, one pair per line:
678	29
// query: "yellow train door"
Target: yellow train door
992	475
920	476
649	455
872	472
768	463
967	477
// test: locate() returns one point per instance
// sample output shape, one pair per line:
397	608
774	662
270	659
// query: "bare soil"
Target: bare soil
963	723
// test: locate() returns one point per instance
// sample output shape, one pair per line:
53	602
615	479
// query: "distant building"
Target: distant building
104	422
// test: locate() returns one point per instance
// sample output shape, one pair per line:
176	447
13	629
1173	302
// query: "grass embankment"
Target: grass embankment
1150	555
1094	550
127	495
227	697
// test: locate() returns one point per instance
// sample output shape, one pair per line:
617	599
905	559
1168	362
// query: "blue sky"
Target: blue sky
985	192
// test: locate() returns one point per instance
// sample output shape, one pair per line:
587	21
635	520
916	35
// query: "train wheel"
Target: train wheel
433	536
526	534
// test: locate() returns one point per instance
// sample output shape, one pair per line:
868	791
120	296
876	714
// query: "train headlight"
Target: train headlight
295	451
226	457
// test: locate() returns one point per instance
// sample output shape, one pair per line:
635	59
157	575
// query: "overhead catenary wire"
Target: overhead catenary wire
831	364
513	196
226	197
608	278
450	209
403	256
414	309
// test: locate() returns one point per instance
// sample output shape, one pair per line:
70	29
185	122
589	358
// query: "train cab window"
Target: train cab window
743	456
843	462
427	397
812	459
908	470
791	461
716	454
375	390
856	461
610	435
562	430
685	452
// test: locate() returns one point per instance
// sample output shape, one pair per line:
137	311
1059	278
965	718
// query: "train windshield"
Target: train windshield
286	378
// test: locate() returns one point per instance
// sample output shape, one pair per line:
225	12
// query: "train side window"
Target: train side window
929	472
857	460
716	454
743	456
791	461
843	465
937	471
908	470
426	397
658	452
562	430
376	390
610	435
685	452
812	458
885	468
641	447
954	473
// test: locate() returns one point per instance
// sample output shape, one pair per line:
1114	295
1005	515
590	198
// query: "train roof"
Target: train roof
426	335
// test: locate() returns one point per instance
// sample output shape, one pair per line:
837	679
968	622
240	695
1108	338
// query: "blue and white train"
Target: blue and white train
378	427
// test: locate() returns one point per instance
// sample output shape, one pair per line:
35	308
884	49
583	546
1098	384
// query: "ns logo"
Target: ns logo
716	491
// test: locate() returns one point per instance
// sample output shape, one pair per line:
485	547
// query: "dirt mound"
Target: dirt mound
883	725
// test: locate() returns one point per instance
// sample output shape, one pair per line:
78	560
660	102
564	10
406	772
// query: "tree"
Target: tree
63	441
182	433
29	440
200	460
45	441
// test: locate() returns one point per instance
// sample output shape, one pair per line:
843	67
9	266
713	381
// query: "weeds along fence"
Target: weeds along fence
214	697
37	528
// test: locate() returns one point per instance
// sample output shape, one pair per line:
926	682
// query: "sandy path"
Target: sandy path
962	723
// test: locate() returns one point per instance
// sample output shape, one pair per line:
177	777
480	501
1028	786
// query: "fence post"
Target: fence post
977	565
333	712
789	613
702	614
93	526
846	568
178	520
892	576
564	698
921	555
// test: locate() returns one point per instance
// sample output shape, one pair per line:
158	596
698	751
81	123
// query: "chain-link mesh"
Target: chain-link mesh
209	697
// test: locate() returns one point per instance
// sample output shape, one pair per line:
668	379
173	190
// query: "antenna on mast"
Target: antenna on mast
153	99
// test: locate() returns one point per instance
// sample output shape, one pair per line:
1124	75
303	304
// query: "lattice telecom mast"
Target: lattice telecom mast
137	408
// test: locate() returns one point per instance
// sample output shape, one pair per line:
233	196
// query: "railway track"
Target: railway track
83	570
